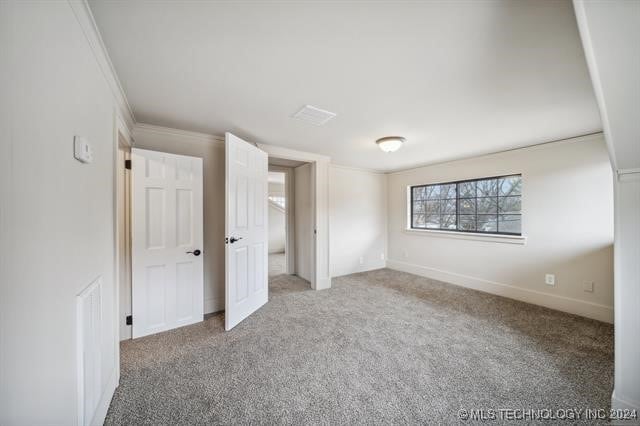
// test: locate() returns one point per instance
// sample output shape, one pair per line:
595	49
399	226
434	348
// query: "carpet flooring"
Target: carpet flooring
378	347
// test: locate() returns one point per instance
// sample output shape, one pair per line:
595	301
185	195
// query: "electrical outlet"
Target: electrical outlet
361	260
588	286
550	279
381	256
405	253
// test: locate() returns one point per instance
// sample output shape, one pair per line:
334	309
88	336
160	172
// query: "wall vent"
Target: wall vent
314	115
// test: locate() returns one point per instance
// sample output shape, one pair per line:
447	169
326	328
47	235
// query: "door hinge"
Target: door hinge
127	164
129	320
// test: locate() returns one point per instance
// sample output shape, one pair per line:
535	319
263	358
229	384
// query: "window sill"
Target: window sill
492	238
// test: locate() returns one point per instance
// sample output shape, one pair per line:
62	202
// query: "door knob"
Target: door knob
234	239
195	252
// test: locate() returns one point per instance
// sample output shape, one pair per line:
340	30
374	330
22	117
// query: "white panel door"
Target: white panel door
167	227
246	255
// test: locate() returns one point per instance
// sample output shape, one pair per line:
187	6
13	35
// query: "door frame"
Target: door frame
321	276
122	136
123	234
289	214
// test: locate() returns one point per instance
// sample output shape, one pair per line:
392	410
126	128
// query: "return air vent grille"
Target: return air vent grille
314	115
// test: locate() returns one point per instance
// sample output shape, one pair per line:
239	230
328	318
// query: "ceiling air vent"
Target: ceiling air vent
314	115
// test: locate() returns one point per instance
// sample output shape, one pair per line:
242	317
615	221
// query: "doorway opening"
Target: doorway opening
277	224
299	258
291	230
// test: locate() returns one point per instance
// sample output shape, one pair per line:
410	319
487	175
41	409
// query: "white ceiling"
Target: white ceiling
455	78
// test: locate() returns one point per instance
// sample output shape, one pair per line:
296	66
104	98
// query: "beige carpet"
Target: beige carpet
379	347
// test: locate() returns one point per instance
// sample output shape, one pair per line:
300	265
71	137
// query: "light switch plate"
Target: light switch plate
588	286
82	150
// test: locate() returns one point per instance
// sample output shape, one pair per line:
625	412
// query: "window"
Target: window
277	200
486	206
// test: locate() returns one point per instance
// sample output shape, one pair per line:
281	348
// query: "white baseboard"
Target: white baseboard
560	303
362	268
213	305
621	404
126	332
323	283
105	400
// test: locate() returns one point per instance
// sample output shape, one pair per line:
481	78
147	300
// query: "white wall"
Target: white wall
211	150
56	214
303	221
610	32
567	207
276	188
277	233
277	219
358	220
627	298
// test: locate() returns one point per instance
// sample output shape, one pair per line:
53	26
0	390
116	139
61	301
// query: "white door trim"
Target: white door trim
123	235
321	277
122	138
121	134
289	211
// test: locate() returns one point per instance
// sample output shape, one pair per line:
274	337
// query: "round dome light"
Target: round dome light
390	143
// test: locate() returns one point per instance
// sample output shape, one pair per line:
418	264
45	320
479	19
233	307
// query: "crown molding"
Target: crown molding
628	175
628	171
160	130
89	27
292	154
358	169
580	138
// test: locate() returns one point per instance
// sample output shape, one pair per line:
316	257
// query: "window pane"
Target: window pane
497	202
510	185
448	221
487	223
487	188
510	204
509	223
448	191
467	189
448	207
467	206
467	222
433	192
433	221
487	205
433	206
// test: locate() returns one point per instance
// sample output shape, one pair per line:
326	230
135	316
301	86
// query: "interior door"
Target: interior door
246	256
167	227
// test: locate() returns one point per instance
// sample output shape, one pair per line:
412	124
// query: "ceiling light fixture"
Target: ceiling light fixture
390	143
